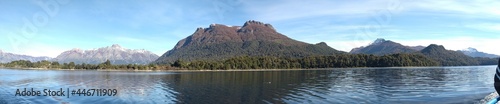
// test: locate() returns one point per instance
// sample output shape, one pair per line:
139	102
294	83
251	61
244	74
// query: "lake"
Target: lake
353	85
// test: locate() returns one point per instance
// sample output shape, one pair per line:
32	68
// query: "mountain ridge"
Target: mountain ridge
448	57
115	53
475	53
6	57
383	47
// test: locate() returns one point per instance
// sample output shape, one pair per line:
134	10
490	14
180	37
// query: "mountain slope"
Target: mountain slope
472	52
383	47
8	57
448	57
218	42
116	54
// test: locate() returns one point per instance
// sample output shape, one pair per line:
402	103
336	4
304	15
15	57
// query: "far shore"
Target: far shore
208	70
172	70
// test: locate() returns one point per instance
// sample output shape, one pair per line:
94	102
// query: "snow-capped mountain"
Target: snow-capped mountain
475	53
8	57
115	53
385	47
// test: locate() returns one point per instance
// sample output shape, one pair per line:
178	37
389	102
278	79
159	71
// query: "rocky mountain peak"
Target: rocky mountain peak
473	52
115	53
8	57
76	50
383	47
116	46
199	29
470	49
219	33
378	41
253	23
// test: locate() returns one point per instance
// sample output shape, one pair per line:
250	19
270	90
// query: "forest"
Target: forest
247	62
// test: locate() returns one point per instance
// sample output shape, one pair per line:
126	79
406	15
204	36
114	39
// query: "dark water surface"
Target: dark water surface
363	85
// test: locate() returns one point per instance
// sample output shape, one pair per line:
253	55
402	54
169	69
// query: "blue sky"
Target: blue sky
28	27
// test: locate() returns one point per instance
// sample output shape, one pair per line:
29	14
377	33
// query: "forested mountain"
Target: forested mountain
453	58
417	48
435	52
115	53
336	61
219	42
383	47
472	52
8	57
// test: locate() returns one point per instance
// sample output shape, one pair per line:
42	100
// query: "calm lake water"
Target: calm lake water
363	85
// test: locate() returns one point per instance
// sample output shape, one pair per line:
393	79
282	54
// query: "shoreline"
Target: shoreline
179	70
207	70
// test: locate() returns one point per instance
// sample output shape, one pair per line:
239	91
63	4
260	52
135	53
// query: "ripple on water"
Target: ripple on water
364	85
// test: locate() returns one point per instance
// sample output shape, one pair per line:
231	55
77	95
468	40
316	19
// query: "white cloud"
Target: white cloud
347	45
474	8
297	9
39	49
495	27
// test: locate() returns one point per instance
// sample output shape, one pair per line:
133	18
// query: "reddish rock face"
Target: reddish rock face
250	31
219	42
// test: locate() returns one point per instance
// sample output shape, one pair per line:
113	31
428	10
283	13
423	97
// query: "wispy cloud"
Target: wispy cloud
158	24
476	8
297	9
39	49
494	27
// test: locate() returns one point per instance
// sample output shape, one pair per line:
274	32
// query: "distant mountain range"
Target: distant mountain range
448	57
8	57
115	53
218	42
475	53
385	47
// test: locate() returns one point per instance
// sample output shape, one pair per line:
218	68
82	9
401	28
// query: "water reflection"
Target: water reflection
248	87
365	85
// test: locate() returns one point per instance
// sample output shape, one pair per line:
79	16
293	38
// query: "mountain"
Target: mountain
8	57
417	48
448	57
115	53
218	42
472	52
383	47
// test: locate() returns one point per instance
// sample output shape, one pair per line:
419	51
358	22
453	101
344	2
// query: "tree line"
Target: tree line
334	61
263	62
55	65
